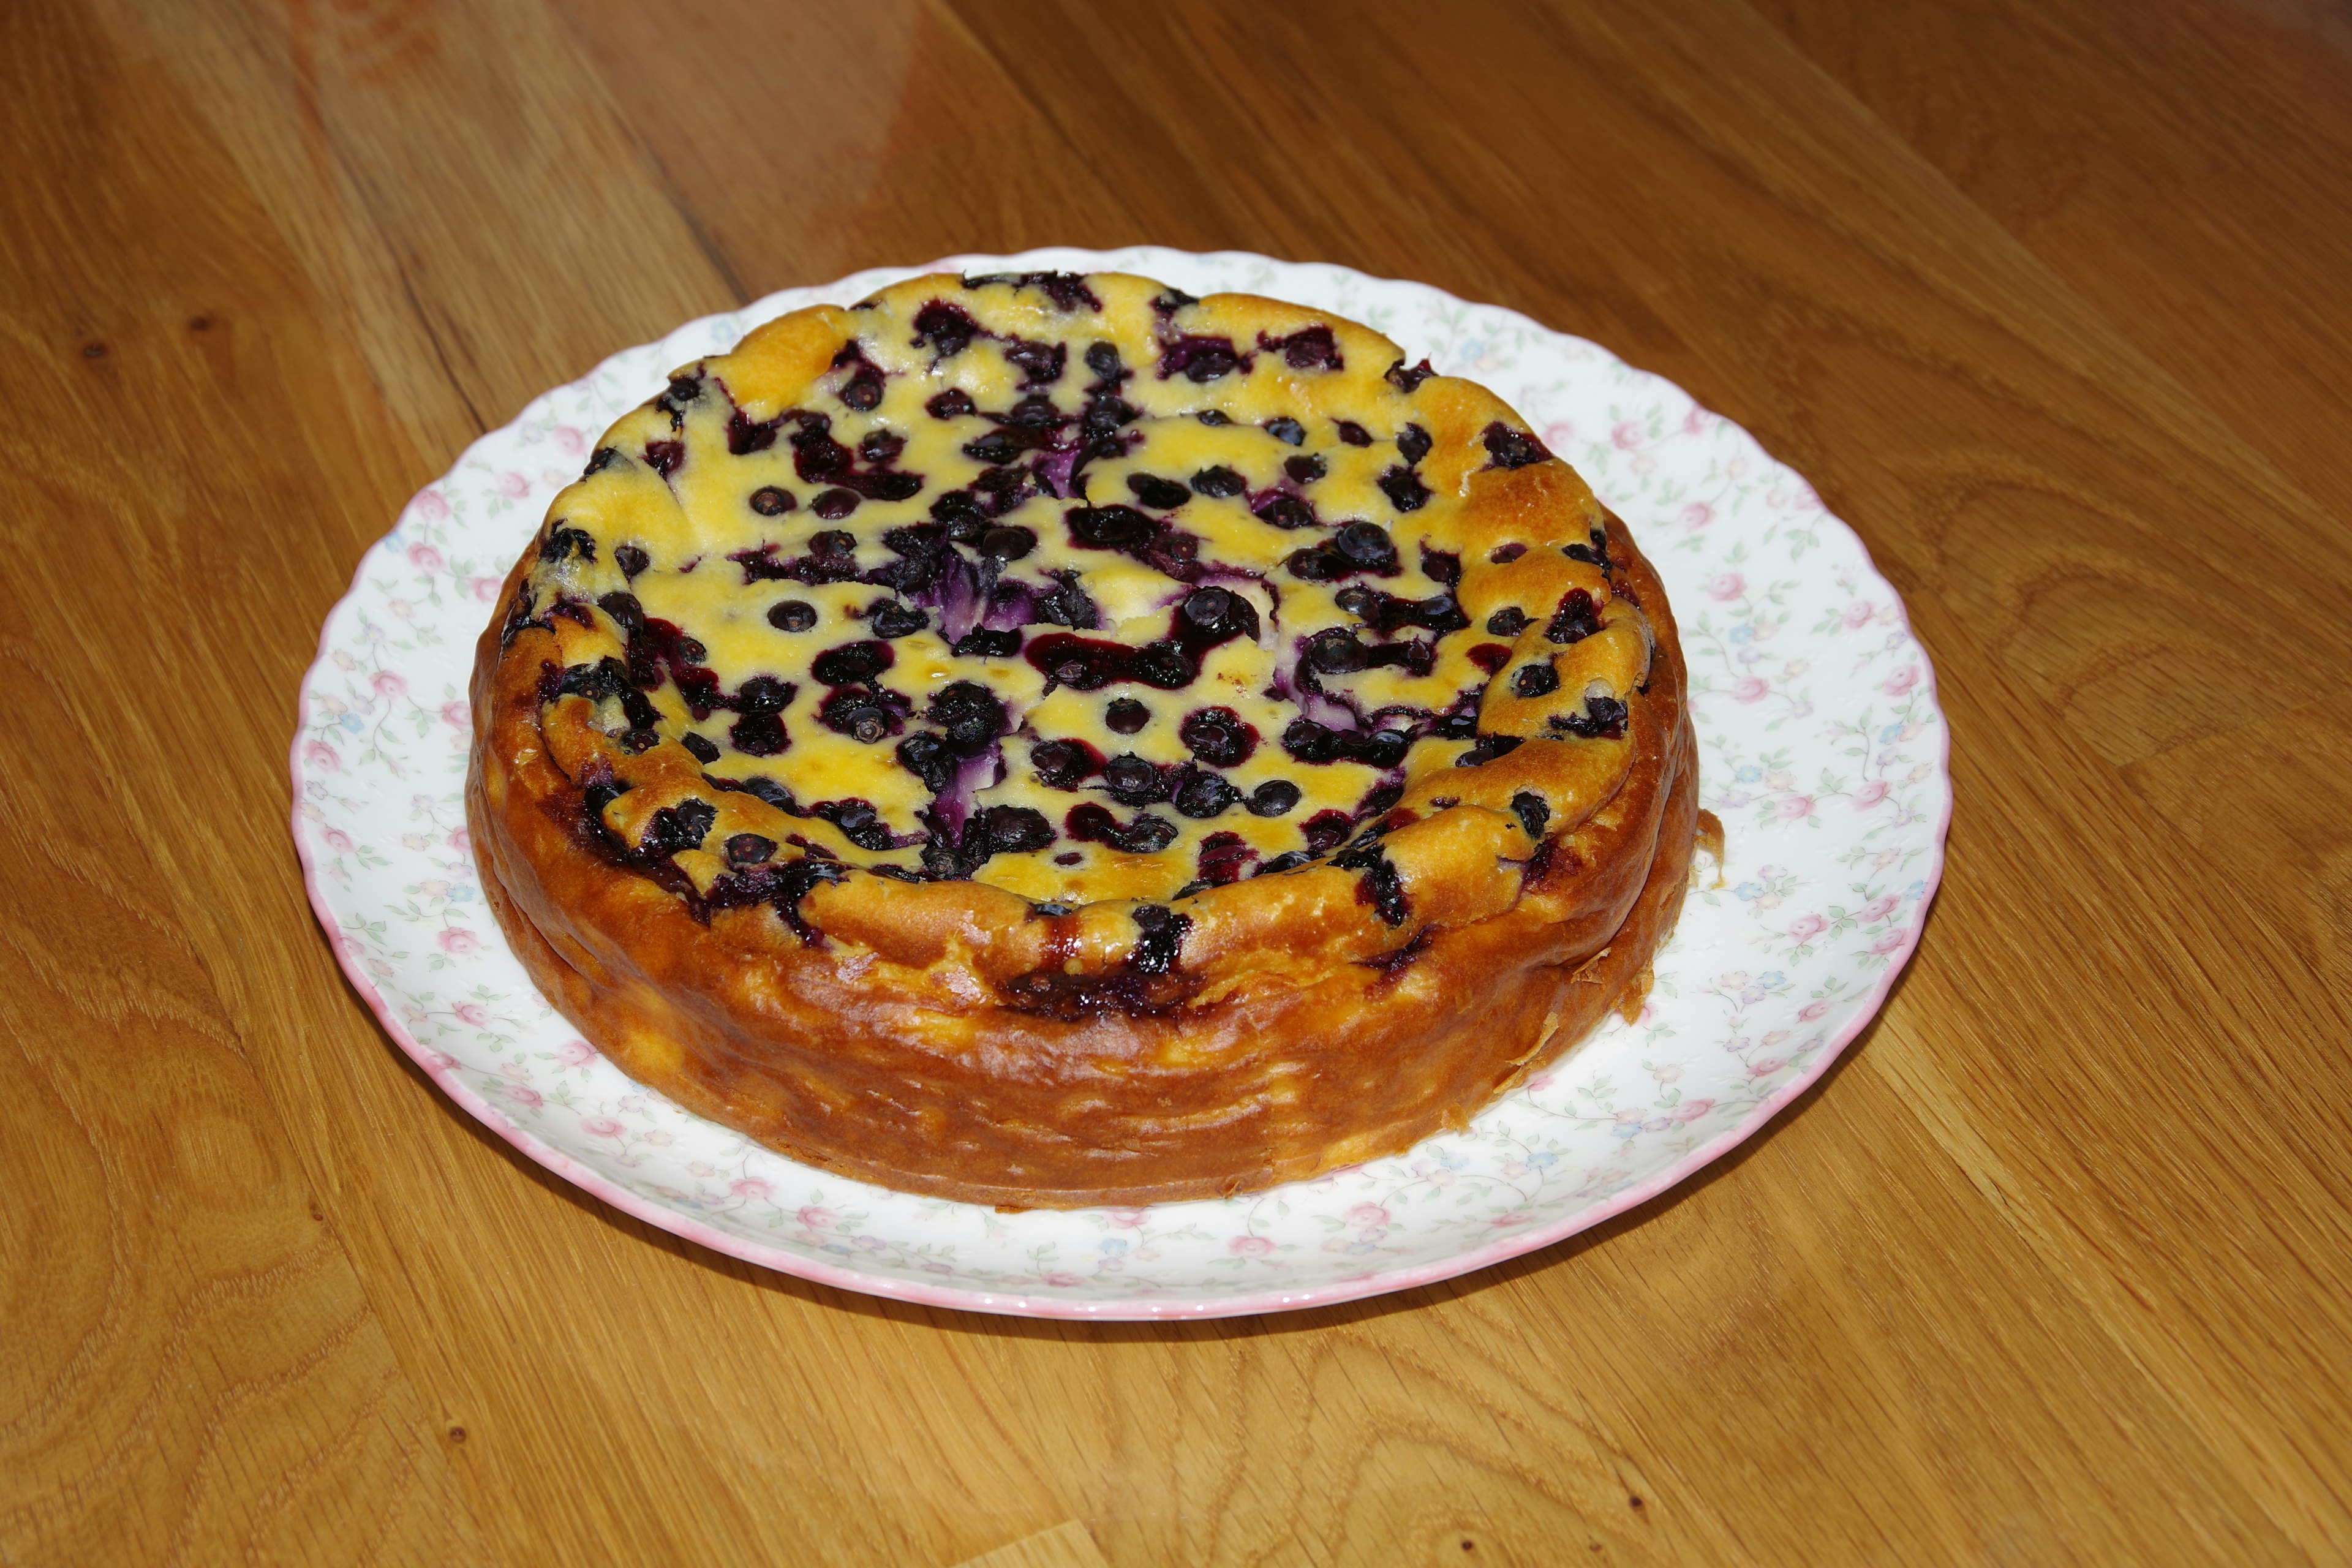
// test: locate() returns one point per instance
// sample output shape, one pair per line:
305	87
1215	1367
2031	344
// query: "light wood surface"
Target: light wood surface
2049	301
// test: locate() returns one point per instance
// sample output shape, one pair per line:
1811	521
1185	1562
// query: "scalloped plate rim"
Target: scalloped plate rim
1134	1309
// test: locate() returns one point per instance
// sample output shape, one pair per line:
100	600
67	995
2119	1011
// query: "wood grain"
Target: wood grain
2054	1268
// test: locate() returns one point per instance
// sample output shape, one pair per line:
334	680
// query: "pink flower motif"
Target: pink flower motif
319	754
424	558
568	439
816	1219
1063	1281
1857	613
514	486
575	1053
1750	689
484	589
461	840
1249	1247
1559	433
1689	1111
524	1095
473	1013
1694	421
1813	1010
601	1127
752	1189
430	505
1626	437
1804	928
1726	587
457	940
1892	942
1372	1217
1870	794
1698	514
1504	1221
338	840
1765	1067
457	715
1794	807
1902	680
1125	1219
1876	909
386	684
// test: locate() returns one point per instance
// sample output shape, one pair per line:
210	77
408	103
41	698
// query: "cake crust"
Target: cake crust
984	1021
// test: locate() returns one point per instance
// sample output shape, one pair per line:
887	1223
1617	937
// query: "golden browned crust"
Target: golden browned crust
951	1038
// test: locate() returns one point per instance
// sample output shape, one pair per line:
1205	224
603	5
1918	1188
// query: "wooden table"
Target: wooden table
2049	301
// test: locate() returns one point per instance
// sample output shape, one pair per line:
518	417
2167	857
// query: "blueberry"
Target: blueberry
1015	829
1218	736
1214	416
961	515
832	505
764	694
1603	717
1126	715
680	827
1287	430
1402	487
947	329
701	750
1408	380
1368	545
1303	471
982	643
1310	742
1535	680
1161	495
1205	796
852	662
1507	622
791	615
1165	665
1504	555
881	446
773	501
758	735
1148	834
1133	780
1276	797
631	560
1577	618
750	850
1509	448
1335	652
1532	810
890	620
928	758
1007	542
1063	765
1353	434
1412	444
1103	360
863	391
1218	483
1284	511
969	713
955	402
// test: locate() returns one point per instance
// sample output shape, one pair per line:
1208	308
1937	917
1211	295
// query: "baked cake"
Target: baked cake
1048	740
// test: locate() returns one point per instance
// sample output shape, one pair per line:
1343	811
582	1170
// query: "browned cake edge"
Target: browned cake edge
921	1079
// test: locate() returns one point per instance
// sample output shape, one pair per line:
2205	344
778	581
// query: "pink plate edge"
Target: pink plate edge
1128	1311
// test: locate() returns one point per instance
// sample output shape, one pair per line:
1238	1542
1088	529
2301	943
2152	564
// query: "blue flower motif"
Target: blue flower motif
1892	733
1749	773
1626	1129
1114	1244
1742	633
351	721
1748	890
1543	1161
1772	980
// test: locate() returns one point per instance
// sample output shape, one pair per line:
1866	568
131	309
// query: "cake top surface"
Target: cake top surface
1079	587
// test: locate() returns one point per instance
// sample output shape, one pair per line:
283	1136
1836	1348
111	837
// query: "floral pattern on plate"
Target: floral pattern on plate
1821	749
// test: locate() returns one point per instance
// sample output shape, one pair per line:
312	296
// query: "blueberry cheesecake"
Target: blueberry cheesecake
1049	740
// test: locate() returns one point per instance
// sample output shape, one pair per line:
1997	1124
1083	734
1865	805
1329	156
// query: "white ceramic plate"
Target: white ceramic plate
1820	747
